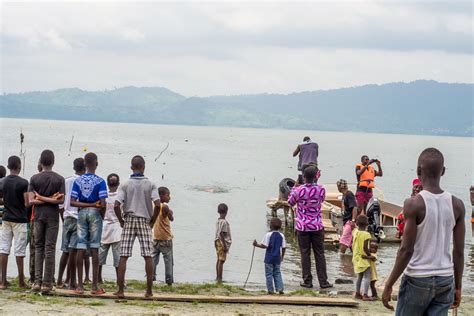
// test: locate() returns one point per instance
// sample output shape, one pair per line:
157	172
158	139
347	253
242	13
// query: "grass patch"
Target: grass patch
208	288
36	298
304	292
96	303
185	288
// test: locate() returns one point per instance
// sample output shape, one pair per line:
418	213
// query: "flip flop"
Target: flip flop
98	292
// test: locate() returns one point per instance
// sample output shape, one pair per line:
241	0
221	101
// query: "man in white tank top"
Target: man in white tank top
432	272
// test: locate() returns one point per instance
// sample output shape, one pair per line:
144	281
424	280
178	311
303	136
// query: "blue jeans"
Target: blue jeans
164	247
89	228
273	274
69	239
425	296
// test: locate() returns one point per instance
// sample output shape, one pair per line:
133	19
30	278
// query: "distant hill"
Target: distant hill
419	107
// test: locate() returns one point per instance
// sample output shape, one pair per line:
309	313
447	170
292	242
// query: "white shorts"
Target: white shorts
16	231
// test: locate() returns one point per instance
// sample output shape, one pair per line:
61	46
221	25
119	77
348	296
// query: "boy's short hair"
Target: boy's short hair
138	162
275	223
78	164
163	191
47	158
306	138
3	172
222	208
309	173
90	159
362	220
113	175
14	163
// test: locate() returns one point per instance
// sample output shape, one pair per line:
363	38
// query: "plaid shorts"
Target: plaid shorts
136	227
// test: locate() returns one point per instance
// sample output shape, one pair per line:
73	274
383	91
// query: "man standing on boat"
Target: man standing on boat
309	227
366	181
432	269
308	154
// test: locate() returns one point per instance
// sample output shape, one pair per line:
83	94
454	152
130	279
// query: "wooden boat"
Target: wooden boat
332	213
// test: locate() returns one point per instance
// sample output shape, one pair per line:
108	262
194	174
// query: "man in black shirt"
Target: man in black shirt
46	193
15	219
349	214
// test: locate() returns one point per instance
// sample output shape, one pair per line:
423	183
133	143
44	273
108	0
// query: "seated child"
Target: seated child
275	244
361	257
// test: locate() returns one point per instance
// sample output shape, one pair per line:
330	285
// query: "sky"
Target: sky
201	48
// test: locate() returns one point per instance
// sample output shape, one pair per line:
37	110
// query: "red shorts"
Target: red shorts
363	197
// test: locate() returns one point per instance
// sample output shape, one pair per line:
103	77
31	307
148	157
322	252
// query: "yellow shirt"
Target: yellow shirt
373	268
162	227
358	239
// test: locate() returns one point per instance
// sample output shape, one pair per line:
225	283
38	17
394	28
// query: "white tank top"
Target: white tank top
432	255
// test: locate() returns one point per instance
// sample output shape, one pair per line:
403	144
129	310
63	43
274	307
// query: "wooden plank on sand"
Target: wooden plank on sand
250	299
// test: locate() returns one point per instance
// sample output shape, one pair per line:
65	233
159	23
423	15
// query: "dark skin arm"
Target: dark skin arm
379	172
102	205
459	232
414	214
297	151
57	198
168	212
26	197
76	203
360	171
256	244
156	212
118	212
222	236
367	251
32	200
283	250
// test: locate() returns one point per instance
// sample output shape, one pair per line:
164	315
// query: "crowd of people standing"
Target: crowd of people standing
97	215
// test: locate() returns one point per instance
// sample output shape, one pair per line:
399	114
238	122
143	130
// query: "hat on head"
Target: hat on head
416	182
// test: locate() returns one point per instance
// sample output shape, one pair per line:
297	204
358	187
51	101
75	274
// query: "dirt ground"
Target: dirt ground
20	303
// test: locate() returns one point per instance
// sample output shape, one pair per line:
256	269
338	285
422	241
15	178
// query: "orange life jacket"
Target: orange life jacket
366	179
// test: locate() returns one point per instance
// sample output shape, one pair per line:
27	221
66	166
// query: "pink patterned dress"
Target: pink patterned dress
308	198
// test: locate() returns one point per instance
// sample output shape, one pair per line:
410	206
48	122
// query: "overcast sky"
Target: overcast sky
208	48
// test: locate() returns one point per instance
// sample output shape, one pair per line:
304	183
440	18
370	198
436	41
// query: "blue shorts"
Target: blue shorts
69	240
89	228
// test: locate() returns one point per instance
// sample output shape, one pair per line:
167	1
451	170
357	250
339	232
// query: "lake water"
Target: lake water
247	165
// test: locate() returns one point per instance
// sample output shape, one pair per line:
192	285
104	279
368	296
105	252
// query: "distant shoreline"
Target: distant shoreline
230	126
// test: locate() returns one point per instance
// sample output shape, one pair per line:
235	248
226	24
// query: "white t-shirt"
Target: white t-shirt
266	239
69	211
111	230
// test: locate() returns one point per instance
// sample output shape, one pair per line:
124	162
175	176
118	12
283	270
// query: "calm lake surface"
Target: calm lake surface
245	165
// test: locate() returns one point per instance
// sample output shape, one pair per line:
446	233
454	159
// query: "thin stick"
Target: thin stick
250	270
161	153
70	144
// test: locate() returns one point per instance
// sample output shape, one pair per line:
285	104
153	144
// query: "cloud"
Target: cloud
226	47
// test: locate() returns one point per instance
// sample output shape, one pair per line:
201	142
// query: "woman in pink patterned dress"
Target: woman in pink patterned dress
309	227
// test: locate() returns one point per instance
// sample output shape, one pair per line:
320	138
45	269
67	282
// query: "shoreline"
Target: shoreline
15	301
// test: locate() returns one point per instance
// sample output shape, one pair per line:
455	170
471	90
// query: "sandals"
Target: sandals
98	292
